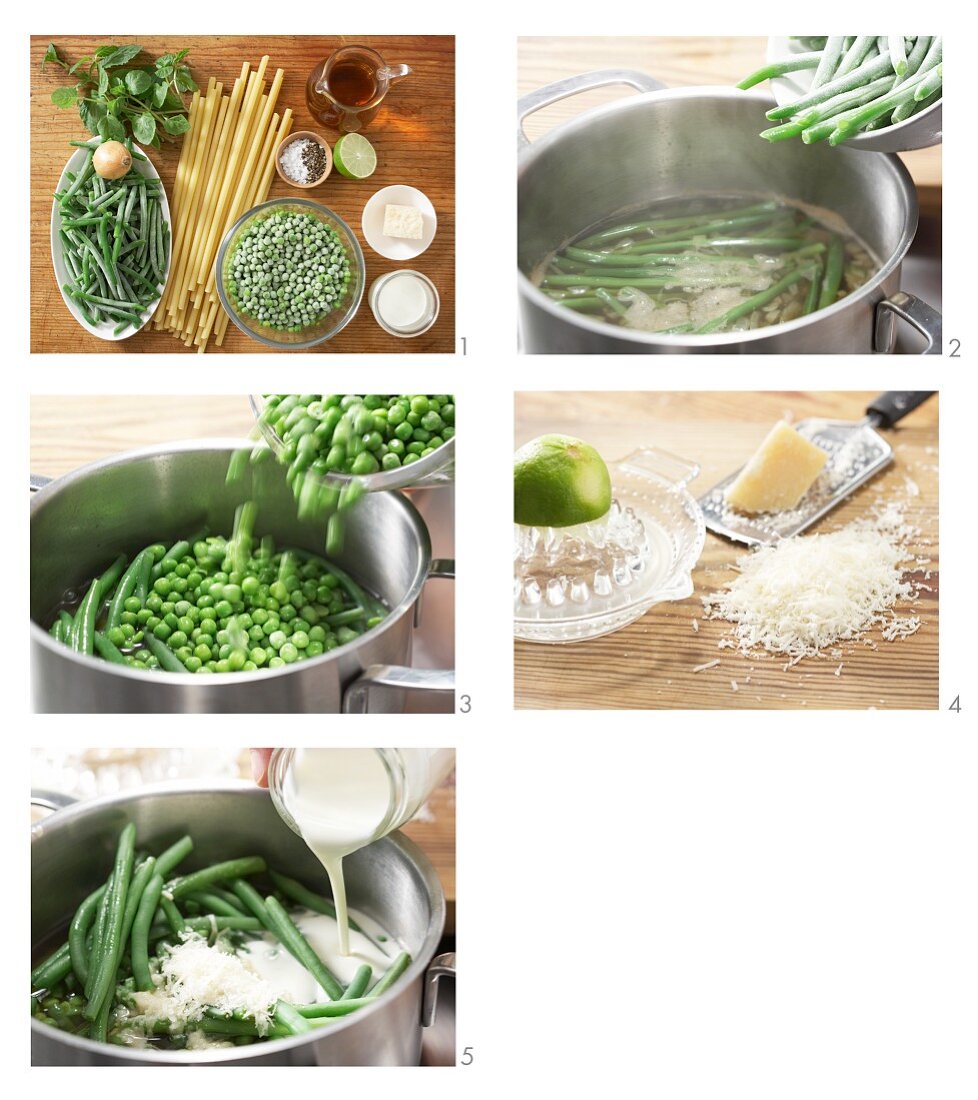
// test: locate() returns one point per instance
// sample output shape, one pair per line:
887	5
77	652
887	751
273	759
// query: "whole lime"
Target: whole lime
559	481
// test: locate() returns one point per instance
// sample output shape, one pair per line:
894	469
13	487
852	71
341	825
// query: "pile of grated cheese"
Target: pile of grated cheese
806	594
196	976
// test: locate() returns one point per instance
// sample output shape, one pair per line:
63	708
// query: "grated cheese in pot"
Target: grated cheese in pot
806	594
196	976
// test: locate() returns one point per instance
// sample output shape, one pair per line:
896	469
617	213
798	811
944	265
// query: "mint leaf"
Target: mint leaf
51	54
111	129
64	97
144	128
121	55
176	124
159	94
138	81
103	82
184	81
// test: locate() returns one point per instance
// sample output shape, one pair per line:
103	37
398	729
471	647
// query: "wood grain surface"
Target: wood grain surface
413	134
648	665
71	431
675	62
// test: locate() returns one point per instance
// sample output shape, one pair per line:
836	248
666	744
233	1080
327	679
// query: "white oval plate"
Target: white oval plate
103	330
372	222
917	132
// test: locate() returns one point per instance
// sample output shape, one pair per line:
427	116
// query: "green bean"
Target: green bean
755	302
140	932
290	935
143	577
176	853
898	53
857	53
869	70
142	876
221	924
104	976
78	934
308	899
397	968
168	660
172	914
832	276
79	179
655	224
287	1017
124	591
358	983
83	635
329	1009
814	290
781	68
219	872
851	121
209	902
108	650
54	969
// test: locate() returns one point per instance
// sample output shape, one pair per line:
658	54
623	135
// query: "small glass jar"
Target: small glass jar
409	776
404	303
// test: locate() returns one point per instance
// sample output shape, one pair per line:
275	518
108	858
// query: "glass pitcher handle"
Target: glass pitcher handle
397	72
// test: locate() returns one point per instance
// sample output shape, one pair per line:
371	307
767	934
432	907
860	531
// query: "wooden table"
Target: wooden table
68	432
675	62
649	664
414	135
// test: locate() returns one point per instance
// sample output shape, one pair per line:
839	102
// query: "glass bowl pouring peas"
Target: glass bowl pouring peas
290	273
401	440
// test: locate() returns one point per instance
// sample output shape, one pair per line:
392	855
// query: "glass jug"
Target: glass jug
338	797
345	91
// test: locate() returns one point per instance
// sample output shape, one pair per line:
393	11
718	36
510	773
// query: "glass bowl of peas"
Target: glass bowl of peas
379	441
290	273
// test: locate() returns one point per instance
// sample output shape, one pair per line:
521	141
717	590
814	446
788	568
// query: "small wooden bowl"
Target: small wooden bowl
297	136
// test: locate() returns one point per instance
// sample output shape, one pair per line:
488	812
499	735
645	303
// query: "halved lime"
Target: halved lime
354	157
559	481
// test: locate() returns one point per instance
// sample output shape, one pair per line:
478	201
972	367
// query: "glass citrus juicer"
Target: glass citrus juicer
575	583
346	90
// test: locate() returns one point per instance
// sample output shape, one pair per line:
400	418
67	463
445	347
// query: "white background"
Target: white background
669	904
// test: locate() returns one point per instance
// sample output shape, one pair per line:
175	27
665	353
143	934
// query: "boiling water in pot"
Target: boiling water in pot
707	265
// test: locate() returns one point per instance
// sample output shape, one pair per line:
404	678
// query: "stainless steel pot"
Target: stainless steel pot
391	881
669	143
122	503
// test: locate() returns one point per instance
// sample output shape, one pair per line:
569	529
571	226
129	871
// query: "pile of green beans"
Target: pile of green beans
705	266
351	434
216	605
115	242
861	83
120	932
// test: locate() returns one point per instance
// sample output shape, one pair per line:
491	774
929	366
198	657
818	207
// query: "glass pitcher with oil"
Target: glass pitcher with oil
345	91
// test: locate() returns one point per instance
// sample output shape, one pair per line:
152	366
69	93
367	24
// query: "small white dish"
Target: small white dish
372	222
105	329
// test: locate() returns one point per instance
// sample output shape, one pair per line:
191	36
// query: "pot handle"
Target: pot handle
356	699
38	481
52	800
573	85
917	313
441	966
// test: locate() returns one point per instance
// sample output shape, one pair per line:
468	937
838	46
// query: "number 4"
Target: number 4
956	705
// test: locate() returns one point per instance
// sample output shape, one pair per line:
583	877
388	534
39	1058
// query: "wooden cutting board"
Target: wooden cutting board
675	62
414	136
650	663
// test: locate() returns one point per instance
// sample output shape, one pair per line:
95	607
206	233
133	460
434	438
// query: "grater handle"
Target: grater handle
894	405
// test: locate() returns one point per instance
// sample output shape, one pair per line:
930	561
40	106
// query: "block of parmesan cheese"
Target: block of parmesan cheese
403	221
779	474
